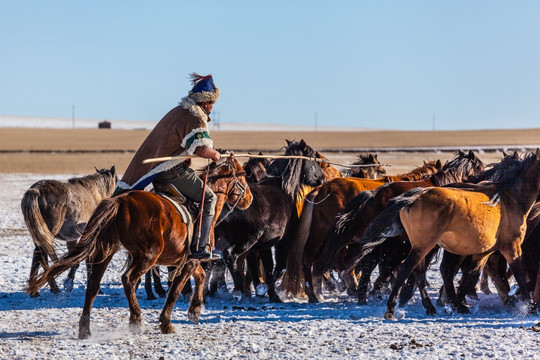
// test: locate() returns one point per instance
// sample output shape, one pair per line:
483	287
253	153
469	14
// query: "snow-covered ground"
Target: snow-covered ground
46	327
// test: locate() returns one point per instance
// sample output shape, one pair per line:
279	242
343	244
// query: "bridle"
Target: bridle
235	184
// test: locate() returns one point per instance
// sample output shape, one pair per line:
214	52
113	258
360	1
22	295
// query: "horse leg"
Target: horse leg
138	267
449	266
194	310
96	271
366	267
40	258
175	288
157	282
405	269
148	285
252	273
70	280
495	268
420	275
270	275
514	261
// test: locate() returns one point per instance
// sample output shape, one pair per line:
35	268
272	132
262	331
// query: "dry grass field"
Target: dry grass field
50	151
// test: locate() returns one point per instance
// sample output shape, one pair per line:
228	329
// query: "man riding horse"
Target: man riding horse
183	131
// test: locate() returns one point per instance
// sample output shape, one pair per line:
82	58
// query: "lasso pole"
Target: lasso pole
167	158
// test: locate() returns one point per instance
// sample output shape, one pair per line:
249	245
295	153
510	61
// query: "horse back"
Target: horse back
461	221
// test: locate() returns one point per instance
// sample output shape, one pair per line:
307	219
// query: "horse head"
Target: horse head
371	172
228	177
463	166
297	172
255	168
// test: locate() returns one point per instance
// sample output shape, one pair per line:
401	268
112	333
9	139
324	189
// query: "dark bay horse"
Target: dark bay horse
270	218
59	210
475	221
318	217
150	229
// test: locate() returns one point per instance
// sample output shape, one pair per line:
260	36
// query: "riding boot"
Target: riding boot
200	243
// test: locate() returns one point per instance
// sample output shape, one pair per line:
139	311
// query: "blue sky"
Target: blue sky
375	64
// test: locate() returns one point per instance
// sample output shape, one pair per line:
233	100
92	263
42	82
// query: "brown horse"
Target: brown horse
316	222
371	172
150	229
475	221
59	210
340	247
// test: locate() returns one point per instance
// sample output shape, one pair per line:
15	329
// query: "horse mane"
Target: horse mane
498	171
290	170
510	176
104	180
460	168
418	173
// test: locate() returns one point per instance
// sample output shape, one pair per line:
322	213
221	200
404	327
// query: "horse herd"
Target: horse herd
301	222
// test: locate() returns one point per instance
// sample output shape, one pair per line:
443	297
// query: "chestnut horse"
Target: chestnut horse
340	246
475	221
316	222
150	229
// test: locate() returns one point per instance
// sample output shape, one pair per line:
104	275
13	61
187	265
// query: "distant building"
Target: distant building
104	125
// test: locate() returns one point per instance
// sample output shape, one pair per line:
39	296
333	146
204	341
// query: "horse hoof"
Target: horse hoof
431	310
68	285
362	302
55	289
135	328
84	334
462	309
313	300
237	295
532	308
261	289
193	317
166	329
151	297
389	316
34	295
276	300
162	294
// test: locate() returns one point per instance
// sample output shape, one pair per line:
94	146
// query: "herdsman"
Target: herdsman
183	131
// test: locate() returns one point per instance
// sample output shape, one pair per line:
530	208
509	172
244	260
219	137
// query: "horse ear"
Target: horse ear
438	164
288	142
504	154
375	156
113	170
461	153
537	154
372	158
302	143
260	153
471	155
516	155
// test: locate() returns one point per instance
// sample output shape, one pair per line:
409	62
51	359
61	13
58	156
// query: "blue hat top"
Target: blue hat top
204	88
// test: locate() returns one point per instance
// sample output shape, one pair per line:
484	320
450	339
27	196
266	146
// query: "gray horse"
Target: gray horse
54	209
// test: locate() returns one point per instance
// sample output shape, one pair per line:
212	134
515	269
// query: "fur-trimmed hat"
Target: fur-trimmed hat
204	89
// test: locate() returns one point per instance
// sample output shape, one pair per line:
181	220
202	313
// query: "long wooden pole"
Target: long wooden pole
167	158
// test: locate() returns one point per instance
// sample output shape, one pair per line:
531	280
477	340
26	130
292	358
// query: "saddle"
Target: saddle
186	209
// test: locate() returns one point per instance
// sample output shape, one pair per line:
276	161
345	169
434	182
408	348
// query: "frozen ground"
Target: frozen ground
46	327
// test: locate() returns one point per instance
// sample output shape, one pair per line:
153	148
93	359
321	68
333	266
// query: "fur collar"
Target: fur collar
190	104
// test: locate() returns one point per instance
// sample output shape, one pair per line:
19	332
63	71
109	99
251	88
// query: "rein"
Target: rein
235	184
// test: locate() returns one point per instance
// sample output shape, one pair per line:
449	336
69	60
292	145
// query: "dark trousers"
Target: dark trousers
189	184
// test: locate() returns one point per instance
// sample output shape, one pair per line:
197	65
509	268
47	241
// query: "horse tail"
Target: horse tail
40	232
343	233
386	224
294	278
99	241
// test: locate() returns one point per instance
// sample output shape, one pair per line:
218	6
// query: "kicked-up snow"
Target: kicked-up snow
46	327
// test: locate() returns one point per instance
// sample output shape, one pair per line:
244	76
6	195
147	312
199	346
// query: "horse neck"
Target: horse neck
445	177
